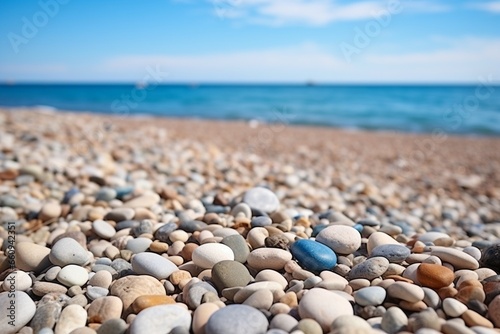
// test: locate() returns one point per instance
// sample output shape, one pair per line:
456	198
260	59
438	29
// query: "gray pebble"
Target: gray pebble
241	319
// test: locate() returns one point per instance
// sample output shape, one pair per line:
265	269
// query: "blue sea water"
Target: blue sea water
461	109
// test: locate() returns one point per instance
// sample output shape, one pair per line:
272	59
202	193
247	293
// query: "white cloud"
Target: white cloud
491	6
463	60
315	12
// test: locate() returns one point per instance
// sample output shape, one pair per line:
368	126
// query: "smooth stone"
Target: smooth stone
77	235
242	208
372	295
377	239
72	317
72	275
262	199
432	236
434	275
146	200
113	326
193	293
238	245
342	239
370	268
426	319
491	257
261	299
394	320
105	194
143	302
192	226
22	309
241	319
153	265
94	292
32	257
17	280
101	279
46	316
163	232
493	311
248	290
160	319
268	258
230	274
309	326
317	304
50	210
201	316
120	214
261	221
431	298
207	255
68	251
271	275
40	288
313	255
406	291
350	324
284	322
455	257
103	229
104	308
128	288
138	245
393	253
453	308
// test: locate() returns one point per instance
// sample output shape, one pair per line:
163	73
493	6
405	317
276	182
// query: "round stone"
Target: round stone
31	257
16	310
207	255
379	238
238	245
105	194
105	308
113	326
50	211
406	291
394	320
317	304
72	317
242	208
240	319
350	324
371	268
72	275
261	221
161	319
434	276
130	287
341	238
393	253
268	258
103	229
229	274
68	251
17	280
372	295
153	265
453	308
313	255
138	245
262	199
101	279
193	293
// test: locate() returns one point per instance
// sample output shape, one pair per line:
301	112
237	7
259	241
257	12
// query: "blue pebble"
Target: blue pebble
317	229
358	227
123	191
261	221
313	256
393	253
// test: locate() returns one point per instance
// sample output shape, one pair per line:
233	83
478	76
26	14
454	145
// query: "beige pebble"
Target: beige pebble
457	258
72	317
271	275
104	308
102	279
201	316
453	308
379	238
406	291
268	258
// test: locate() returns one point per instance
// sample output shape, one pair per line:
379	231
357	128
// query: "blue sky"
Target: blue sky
250	40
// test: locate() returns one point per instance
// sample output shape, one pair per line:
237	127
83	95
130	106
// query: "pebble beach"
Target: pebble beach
115	224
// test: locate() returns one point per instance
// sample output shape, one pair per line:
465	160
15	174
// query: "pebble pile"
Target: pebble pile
143	233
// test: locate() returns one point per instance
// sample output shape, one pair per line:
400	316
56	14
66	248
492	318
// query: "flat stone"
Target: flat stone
138	245
432	236
143	302
50	210
120	214
229	274
238	245
72	275
95	292
104	308
105	194
17	280
271	275
250	289
103	229
130	287
457	258
372	295
207	255
377	239
17	309
241	319
453	308
406	291
42	288
393	253
101	279
68	251
161	319
46	316
394	320
146	200
72	317
370	268
113	326
153	265
261	221
434	275
317	304
268	258
262	299
341	238
313	256
32	257
77	235
262	199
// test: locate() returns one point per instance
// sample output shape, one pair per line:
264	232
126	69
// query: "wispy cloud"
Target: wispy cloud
314	12
491	6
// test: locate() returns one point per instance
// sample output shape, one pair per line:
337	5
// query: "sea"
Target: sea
455	109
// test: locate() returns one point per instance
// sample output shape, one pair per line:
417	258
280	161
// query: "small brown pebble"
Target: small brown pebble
277	241
187	251
143	302
434	276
